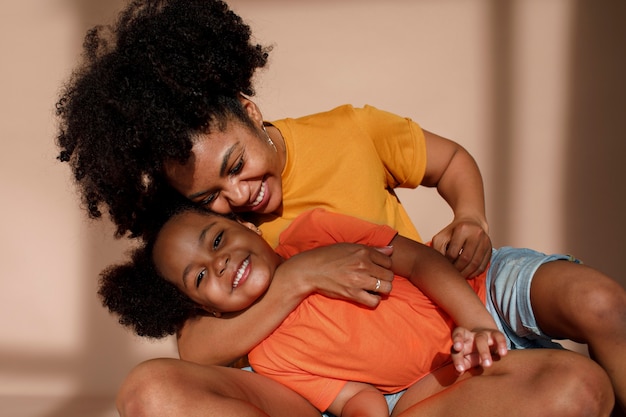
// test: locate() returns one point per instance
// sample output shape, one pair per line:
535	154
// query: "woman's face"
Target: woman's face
233	170
218	263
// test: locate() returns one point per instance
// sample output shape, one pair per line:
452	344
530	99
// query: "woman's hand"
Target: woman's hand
471	348
344	271
455	173
466	243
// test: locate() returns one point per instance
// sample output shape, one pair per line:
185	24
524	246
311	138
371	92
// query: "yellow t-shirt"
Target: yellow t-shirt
349	160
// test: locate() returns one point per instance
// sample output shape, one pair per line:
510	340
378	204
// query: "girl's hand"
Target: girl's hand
472	348
466	243
344	271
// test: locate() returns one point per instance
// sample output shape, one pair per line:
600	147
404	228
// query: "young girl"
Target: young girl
326	345
161	108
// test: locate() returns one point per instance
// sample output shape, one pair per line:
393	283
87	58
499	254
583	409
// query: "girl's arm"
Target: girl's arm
442	283
342	271
457	177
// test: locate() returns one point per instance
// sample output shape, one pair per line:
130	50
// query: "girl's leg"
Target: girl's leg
359	399
173	388
576	302
533	382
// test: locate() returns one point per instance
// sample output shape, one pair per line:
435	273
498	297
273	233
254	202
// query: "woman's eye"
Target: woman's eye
237	168
208	200
200	277
218	240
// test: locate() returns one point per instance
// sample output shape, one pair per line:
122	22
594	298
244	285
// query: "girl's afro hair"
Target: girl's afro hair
165	71
148	304
135	291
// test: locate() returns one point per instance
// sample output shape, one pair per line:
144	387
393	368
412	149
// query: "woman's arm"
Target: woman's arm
457	177
344	271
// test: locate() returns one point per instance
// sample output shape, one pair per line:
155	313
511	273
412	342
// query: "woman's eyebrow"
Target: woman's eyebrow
226	158
223	168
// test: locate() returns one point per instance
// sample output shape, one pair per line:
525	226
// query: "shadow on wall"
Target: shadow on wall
595	193
502	80
102	346
594	196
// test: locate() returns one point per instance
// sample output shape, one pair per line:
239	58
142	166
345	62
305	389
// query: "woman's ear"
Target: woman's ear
252	110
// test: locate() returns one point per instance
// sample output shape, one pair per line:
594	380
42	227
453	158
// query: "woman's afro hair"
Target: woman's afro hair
165	71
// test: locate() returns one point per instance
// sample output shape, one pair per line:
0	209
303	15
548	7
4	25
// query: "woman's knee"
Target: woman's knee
146	388
581	387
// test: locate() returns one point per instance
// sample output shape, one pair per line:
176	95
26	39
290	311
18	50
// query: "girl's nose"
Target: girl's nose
220	263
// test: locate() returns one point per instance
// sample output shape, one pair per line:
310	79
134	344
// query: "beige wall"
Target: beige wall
533	88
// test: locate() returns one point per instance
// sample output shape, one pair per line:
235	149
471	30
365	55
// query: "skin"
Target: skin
203	255
220	264
243	162
225	267
229	168
561	304
576	302
558	383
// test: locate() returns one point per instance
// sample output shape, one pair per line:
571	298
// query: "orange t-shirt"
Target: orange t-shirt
326	342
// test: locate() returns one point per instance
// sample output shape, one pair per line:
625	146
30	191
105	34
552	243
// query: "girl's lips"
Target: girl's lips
242	273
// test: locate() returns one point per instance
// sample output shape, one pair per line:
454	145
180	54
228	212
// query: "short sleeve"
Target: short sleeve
318	227
400	144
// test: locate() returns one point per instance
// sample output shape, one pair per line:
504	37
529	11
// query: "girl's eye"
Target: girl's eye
218	240
200	277
237	168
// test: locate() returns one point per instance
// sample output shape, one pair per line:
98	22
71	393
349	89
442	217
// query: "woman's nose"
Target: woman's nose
239	194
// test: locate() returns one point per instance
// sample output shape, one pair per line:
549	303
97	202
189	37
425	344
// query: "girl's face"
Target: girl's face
234	170
218	263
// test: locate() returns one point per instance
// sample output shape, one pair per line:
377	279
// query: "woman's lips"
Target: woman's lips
261	200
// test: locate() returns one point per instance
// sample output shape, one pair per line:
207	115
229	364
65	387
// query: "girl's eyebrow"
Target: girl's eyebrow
201	238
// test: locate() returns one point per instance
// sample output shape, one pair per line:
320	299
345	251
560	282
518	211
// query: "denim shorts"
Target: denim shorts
508	295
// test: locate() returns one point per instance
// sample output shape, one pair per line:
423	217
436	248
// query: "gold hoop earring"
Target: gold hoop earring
269	140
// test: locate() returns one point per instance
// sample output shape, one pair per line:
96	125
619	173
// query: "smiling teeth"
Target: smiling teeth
240	272
260	196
